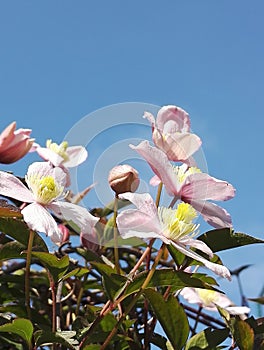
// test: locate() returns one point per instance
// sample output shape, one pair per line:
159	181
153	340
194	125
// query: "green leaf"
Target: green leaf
225	238
19	231
15	345
78	272
20	326
164	278
243	334
57	267
207	339
64	338
171	316
259	300
11	250
112	281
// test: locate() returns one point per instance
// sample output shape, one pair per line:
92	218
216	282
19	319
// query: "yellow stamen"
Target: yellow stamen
59	149
182	173
178	223
207	296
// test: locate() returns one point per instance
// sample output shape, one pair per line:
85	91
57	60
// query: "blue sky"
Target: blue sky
63	60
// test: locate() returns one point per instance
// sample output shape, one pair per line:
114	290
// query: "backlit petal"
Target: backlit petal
11	187
171	119
77	155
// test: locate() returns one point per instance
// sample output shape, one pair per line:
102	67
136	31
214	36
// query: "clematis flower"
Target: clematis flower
172	226
46	186
190	185
14	144
210	299
62	155
171	133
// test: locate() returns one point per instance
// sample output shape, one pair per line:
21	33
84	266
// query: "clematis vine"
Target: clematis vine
14	144
190	185
45	189
171	133
62	155
210	299
172	226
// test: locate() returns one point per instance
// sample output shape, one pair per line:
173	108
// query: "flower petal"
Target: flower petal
171	119
11	187
79	215
213	214
39	219
77	155
48	155
238	310
177	146
201	186
216	268
134	223
143	201
195	243
160	164
44	169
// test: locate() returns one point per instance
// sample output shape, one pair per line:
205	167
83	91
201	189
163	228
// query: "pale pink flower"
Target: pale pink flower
14	144
190	185
46	185
210	299
62	155
171	133
172	226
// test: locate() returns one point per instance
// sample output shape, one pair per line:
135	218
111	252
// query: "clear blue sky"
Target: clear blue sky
61	60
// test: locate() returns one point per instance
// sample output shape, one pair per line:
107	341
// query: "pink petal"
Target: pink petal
77	155
202	186
195	243
160	164
177	146
79	215
154	181
213	214
7	136
48	155
134	223
190	295
143	202
171	119
150	118
11	187
40	220
216	268
238	310
44	169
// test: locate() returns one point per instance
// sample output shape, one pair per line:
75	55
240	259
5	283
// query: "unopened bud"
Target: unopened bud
123	178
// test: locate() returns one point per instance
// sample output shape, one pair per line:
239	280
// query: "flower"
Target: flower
123	178
190	185
46	185
172	226
14	144
171	133
210	299
62	155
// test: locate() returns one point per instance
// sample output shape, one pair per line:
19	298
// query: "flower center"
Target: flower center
45	189
59	149
182	173
178	223
207	296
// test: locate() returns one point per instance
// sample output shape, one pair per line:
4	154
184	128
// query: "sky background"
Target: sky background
62	61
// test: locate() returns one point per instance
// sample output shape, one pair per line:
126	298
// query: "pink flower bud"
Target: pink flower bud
123	178
14	144
65	232
90	241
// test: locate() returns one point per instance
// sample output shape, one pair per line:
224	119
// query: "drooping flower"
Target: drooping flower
172	226
171	133
14	144
123	178
190	185
45	187
210	299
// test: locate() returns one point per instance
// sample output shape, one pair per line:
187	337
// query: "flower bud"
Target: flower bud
123	178
90	241
14	144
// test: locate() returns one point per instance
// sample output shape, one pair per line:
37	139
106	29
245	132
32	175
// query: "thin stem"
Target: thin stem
159	194
116	237
27	273
137	296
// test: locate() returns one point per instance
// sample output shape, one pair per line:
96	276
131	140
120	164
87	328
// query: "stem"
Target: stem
54	306
159	194
27	273
116	237
137	296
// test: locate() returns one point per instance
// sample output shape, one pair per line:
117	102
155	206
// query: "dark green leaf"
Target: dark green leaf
225	238
11	250
20	326
57	267
171	316
78	272
243	334
64	338
207	339
19	231
259	300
